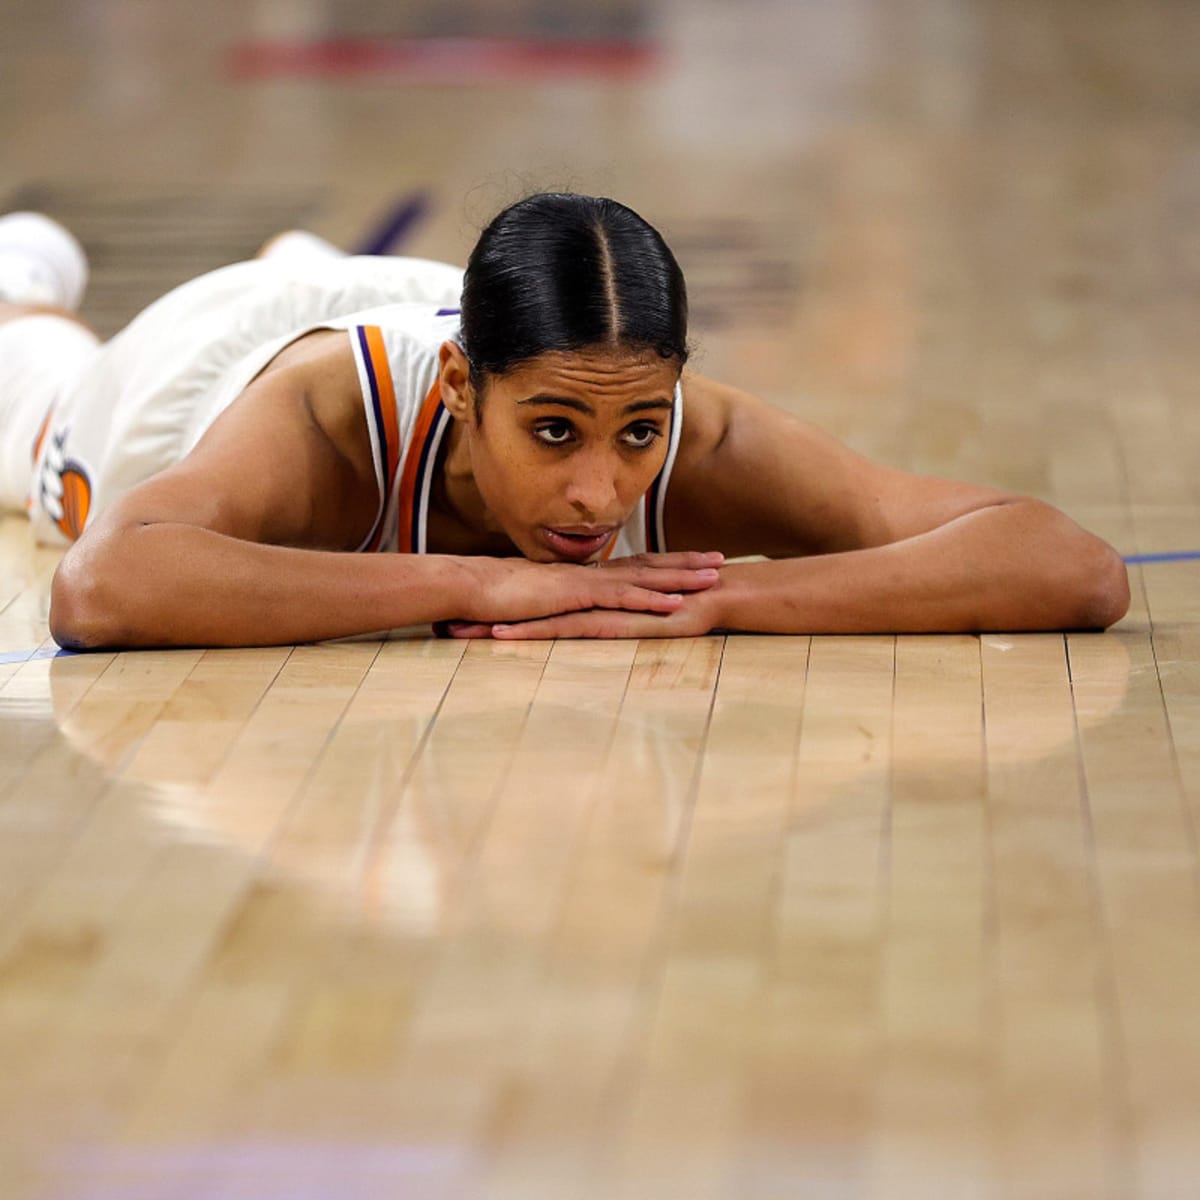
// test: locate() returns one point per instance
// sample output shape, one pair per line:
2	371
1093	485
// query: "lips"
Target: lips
576	543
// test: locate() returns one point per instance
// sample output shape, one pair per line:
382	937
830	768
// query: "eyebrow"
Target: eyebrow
583	406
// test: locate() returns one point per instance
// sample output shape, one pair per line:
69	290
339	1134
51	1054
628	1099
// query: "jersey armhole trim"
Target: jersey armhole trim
379	404
656	497
416	478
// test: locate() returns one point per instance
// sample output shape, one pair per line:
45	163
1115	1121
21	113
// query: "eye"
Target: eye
642	435
554	433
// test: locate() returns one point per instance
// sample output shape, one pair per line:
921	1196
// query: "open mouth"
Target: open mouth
575	545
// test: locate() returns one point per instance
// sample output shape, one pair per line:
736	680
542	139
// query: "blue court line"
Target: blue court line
8	657
20	656
1167	556
399	221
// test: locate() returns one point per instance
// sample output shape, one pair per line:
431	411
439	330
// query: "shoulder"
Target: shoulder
708	408
305	411
396	348
321	368
753	478
727	428
749	477
267	469
405	328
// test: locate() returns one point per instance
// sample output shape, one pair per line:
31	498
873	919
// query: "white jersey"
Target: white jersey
396	349
149	395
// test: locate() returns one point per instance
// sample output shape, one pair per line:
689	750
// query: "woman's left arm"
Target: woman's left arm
1015	564
852	546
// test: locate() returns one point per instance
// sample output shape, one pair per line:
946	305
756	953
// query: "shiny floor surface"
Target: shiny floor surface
736	918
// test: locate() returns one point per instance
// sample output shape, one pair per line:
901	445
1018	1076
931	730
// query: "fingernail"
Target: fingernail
501	628
708	573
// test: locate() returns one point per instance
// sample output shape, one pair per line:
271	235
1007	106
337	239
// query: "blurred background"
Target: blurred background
273	933
942	228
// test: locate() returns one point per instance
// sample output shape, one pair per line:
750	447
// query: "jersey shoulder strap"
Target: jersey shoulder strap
396	354
646	528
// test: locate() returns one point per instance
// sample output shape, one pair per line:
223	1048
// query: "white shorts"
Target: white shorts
41	359
144	399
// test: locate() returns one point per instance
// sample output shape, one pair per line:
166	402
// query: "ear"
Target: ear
454	377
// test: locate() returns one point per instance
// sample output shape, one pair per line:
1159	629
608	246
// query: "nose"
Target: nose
592	485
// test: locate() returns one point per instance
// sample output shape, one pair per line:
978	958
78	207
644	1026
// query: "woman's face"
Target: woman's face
564	446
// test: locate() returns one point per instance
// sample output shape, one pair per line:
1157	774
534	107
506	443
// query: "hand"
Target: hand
693	616
512	590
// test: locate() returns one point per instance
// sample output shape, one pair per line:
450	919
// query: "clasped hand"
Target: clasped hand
645	595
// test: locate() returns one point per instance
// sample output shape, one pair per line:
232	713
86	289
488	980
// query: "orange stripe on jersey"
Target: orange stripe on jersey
410	477
387	397
384	399
76	501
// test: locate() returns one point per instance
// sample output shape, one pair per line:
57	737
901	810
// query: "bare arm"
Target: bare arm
1014	565
244	542
856	547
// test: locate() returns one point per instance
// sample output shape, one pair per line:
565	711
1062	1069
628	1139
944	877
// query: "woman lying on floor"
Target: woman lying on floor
228	467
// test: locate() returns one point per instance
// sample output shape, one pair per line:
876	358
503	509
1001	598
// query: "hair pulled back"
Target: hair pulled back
562	272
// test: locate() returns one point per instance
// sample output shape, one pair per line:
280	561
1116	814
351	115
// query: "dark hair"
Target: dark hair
564	272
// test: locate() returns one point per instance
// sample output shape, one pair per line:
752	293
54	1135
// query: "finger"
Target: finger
684	559
677	579
467	629
598	623
665	579
631	598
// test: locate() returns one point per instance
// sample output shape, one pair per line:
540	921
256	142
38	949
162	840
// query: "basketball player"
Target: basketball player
228	467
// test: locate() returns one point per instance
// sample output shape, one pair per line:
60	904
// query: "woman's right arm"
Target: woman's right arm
172	584
248	540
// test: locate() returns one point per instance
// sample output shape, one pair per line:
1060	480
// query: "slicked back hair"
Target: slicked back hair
562	272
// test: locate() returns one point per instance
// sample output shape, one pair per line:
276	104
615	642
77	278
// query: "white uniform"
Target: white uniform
122	412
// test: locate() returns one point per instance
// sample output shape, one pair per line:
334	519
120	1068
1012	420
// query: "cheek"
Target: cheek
635	476
648	468
510	478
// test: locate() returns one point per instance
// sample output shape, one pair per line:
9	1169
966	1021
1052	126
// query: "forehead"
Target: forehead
592	372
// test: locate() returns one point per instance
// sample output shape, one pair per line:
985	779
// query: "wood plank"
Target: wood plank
106	722
684	1126
1060	1092
815	1033
932	1098
485	1048
48	787
370	926
1147	866
312	927
96	967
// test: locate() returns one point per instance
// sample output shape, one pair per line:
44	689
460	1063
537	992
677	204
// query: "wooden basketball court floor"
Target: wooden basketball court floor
732	918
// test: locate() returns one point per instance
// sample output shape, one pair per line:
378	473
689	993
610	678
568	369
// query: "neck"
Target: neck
457	498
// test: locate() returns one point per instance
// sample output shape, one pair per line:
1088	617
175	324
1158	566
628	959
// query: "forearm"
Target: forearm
169	584
138	584
1015	566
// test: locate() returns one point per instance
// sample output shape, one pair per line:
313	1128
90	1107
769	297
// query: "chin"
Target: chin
542	554
530	549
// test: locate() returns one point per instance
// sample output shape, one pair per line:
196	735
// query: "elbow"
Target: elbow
82	610
1101	587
